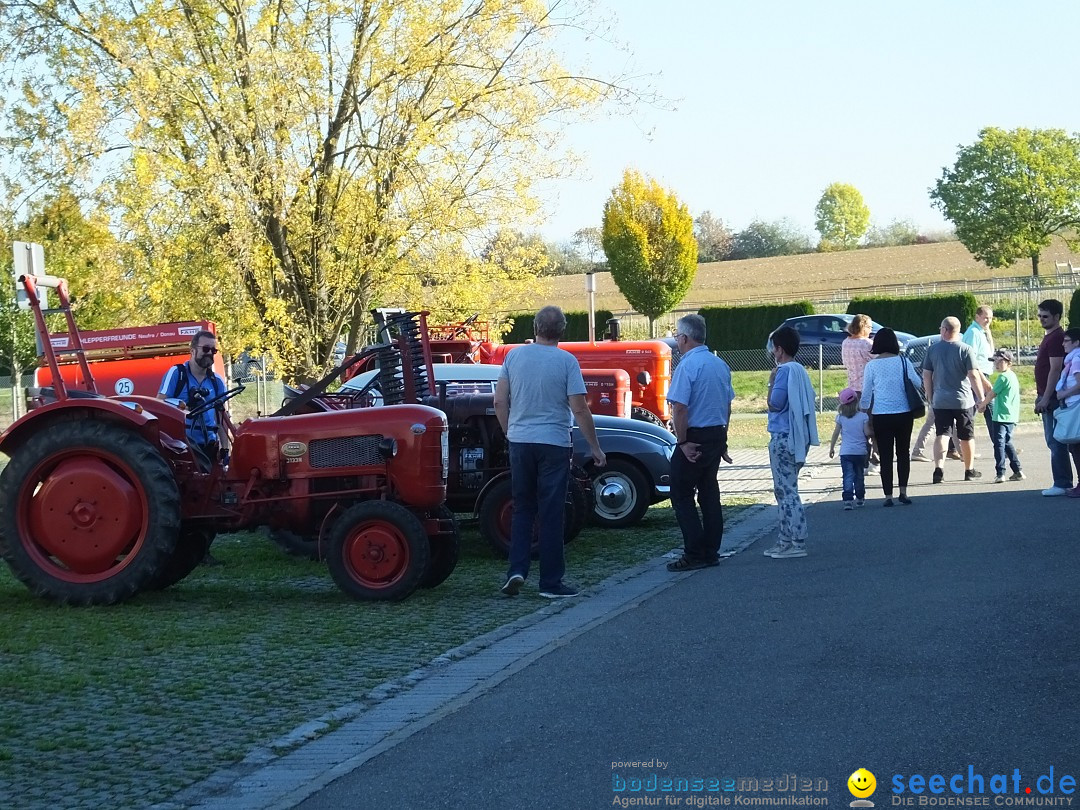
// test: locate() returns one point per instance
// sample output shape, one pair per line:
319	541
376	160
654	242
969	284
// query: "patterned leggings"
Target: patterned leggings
785	476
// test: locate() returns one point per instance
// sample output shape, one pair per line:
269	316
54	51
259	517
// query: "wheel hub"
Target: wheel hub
377	552
85	515
613	494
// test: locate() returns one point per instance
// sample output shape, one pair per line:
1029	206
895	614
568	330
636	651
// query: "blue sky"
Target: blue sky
774	100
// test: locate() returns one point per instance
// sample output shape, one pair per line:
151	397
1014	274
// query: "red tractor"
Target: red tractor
103	497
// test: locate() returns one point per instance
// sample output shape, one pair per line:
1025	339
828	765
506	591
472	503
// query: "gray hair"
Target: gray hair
549	323
951	325
693	326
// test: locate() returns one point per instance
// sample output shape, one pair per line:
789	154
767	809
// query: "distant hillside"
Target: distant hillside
813	274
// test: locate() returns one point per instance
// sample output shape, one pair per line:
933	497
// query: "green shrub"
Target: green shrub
577	326
728	328
1074	309
920	316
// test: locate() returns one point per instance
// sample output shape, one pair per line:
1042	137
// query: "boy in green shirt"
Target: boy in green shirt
1004	401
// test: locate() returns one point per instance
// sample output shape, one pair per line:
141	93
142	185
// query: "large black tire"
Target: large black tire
377	550
497	512
304	546
89	513
644	415
445	548
192	546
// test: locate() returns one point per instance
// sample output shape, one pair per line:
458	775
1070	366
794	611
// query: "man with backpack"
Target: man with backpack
194	383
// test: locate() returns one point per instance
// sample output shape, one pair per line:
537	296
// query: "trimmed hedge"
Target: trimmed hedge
1074	309
729	328
919	316
577	326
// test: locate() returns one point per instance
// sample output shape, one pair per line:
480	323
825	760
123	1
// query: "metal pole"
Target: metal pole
590	288
821	377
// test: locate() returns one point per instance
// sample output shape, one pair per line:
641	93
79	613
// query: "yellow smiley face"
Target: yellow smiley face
861	783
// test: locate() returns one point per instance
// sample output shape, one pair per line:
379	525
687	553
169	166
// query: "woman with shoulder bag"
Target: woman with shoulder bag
885	389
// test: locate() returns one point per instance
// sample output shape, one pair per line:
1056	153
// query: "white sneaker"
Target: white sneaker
1000	479
872	469
1054	491
780	544
920	457
791	550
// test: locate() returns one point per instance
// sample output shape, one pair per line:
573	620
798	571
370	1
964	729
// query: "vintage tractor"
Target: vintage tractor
103	497
479	467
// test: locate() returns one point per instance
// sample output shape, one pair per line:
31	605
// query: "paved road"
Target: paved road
913	640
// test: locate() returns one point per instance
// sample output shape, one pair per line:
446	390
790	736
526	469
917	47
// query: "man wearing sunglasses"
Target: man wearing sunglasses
194	383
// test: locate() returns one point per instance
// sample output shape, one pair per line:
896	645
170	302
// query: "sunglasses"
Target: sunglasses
208	350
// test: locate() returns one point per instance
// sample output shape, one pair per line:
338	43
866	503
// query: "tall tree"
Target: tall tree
842	217
648	238
714	240
760	239
1009	193
589	244
316	146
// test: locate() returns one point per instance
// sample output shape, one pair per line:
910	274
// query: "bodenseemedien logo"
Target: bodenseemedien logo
862	785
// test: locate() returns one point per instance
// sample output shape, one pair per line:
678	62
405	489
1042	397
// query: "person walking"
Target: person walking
700	397
792	425
1048	364
1004	412
539	387
856	352
885	395
1067	391
949	378
853	430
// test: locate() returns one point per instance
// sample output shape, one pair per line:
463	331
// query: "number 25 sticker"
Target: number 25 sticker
124	387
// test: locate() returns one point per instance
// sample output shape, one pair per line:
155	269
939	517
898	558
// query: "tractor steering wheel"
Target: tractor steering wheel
214	402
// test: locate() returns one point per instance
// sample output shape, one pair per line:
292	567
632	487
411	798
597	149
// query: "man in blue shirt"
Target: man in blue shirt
194	383
700	397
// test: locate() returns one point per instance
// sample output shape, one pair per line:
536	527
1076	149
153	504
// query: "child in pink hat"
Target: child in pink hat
853	429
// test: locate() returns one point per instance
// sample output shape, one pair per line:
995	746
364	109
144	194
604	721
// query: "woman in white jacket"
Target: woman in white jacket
792	429
883	389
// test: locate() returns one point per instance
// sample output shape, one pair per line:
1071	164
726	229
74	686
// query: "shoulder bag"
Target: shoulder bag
1067	424
915	398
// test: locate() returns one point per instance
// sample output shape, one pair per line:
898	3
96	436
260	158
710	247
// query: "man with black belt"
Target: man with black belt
700	398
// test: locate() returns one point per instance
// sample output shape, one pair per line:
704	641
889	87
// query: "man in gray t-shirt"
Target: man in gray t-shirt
539	387
949	376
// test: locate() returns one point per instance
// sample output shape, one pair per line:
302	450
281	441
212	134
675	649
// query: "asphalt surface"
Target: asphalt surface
915	640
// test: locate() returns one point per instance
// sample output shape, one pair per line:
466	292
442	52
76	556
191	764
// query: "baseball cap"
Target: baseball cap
1004	354
848	395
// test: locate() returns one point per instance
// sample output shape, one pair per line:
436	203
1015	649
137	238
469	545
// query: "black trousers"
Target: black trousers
892	432
702	533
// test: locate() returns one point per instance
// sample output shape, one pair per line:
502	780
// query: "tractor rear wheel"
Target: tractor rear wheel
497	514
645	415
445	548
89	513
192	546
378	550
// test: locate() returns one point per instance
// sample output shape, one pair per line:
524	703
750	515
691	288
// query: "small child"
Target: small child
1004	401
854	426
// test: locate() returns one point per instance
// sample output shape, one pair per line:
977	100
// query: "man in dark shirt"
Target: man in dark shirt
1048	365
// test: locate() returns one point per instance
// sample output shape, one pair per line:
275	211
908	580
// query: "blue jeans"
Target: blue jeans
539	475
1060	465
1001	436
854	470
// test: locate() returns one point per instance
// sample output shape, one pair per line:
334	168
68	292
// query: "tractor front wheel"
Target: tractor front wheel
445	548
378	550
89	513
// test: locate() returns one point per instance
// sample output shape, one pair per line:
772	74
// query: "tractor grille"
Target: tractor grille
346	451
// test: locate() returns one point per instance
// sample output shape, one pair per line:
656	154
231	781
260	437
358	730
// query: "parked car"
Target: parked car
915	349
828	332
638	453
